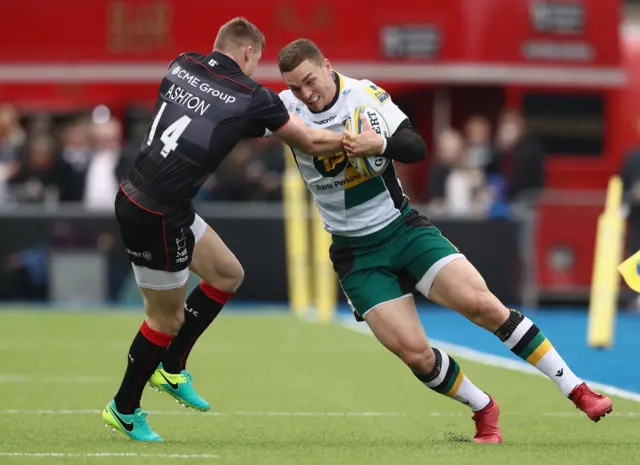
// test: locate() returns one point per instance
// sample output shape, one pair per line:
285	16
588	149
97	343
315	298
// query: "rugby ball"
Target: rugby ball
374	165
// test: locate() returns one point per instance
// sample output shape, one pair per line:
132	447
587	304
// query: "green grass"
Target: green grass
261	374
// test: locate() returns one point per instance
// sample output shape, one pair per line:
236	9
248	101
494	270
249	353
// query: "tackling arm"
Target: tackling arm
314	142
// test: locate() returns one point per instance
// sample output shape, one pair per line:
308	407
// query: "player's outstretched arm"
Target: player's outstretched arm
314	142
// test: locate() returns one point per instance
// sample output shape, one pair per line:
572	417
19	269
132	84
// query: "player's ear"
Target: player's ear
327	67
248	52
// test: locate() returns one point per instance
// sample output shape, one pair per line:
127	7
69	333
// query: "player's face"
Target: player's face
311	83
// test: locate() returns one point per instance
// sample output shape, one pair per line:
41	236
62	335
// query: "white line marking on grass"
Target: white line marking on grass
497	361
51	412
311	414
61	379
221	414
108	454
317	414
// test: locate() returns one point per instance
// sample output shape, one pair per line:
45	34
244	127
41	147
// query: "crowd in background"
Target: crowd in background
78	162
83	159
472	173
477	172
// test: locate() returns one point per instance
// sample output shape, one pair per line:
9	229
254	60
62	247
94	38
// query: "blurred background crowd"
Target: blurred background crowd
83	157
473	171
527	108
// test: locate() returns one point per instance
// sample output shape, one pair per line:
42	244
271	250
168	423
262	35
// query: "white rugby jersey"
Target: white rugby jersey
349	203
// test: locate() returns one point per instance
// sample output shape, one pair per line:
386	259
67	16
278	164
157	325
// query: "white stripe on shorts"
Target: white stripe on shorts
425	283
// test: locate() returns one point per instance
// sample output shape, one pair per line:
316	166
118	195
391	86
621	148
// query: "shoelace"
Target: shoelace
590	393
586	392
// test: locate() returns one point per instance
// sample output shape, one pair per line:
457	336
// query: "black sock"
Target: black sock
145	354
202	306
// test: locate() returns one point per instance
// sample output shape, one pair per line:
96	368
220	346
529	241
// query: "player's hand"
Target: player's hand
365	144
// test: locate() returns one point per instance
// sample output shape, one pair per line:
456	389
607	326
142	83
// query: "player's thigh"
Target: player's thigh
368	289
364	275
397	326
215	263
421	252
460	286
159	250
444	275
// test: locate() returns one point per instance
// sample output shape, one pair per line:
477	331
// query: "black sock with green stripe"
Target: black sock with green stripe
447	378
526	340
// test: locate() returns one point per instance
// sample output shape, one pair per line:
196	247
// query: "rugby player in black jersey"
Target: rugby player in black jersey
206	105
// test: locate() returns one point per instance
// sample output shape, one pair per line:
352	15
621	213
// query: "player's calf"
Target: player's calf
397	326
202	306
460	287
164	318
526	340
216	264
416	354
144	355
221	274
168	323
446	378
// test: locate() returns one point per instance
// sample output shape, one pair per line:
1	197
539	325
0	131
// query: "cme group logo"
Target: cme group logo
176	70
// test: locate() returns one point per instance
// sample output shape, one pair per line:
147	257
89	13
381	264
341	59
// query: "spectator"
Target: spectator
458	187
442	165
39	125
521	156
230	180
480	152
102	181
38	178
12	138
75	156
268	166
244	176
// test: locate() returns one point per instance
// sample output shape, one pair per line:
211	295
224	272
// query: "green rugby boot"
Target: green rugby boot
133	425
179	386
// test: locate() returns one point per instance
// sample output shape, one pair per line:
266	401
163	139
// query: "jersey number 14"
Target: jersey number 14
170	135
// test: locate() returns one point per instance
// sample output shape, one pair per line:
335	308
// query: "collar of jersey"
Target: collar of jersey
339	80
224	60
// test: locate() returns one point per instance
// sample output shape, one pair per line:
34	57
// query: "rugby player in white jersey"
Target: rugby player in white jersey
383	250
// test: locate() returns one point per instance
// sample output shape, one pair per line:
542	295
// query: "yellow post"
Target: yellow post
296	218
605	286
324	278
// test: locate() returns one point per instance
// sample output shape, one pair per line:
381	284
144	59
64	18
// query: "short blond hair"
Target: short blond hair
239	31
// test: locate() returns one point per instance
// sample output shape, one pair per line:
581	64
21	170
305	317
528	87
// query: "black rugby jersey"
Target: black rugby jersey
205	106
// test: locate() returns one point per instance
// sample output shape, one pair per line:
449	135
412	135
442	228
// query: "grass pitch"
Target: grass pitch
283	392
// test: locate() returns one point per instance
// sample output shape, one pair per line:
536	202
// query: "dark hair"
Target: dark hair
239	31
298	51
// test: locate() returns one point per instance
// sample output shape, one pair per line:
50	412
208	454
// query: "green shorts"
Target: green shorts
403	257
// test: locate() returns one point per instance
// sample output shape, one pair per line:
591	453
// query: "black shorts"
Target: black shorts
156	237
